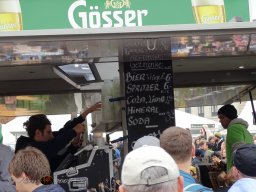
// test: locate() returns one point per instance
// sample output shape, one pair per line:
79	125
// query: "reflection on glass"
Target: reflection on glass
57	51
65	103
253	43
205	96
210	45
80	73
12	106
26	105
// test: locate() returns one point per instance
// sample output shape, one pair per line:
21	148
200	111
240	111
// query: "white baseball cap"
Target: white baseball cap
145	157
146	140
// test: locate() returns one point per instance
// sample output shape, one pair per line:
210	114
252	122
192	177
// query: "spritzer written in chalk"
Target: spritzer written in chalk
209	11
10	15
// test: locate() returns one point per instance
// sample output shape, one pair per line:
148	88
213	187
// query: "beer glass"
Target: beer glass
209	11
10	15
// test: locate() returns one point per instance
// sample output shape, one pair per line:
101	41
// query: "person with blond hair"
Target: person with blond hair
178	143
28	168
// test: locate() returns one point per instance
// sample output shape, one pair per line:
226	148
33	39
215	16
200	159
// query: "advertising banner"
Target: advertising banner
61	14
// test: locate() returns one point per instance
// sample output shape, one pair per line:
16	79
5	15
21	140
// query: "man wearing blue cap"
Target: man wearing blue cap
244	169
236	130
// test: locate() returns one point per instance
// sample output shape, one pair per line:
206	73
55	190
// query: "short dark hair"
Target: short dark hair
217	154
229	111
38	121
210	145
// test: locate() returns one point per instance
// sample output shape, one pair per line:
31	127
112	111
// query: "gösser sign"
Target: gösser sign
59	14
92	18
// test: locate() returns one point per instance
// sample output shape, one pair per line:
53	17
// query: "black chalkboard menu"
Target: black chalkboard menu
148	87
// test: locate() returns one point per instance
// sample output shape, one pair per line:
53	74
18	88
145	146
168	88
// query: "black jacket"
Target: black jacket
52	147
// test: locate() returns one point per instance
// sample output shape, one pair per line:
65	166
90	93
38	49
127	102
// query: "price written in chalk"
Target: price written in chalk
148	88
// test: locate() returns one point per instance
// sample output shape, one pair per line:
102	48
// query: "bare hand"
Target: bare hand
215	159
78	140
79	128
95	107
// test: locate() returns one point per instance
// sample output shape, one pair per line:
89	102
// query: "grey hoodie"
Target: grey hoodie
5	157
236	133
238	121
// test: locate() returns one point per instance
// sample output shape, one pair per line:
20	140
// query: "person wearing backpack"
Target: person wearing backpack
178	143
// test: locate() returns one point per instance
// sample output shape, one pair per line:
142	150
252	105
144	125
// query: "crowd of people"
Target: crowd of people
154	165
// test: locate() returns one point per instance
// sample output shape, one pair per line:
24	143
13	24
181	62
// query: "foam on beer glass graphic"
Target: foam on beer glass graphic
209	11
10	15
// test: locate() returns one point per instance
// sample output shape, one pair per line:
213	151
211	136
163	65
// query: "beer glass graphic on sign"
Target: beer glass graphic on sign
10	15
209	11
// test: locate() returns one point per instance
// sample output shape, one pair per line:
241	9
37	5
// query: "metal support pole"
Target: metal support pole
253	109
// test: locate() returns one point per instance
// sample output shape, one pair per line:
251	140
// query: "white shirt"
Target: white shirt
244	185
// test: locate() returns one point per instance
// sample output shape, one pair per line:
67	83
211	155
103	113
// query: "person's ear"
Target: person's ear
234	172
122	189
23	175
180	184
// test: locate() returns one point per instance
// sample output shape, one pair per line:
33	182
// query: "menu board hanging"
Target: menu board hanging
148	87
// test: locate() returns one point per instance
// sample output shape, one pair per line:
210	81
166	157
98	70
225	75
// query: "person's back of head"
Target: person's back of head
202	144
245	161
31	164
228	111
150	169
178	143
146	140
36	122
29	169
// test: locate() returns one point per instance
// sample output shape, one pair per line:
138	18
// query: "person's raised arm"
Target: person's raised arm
51	147
72	123
95	107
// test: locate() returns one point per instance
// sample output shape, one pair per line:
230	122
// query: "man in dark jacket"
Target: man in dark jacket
28	168
50	143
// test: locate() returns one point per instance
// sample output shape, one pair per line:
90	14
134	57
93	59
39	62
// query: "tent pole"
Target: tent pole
253	109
